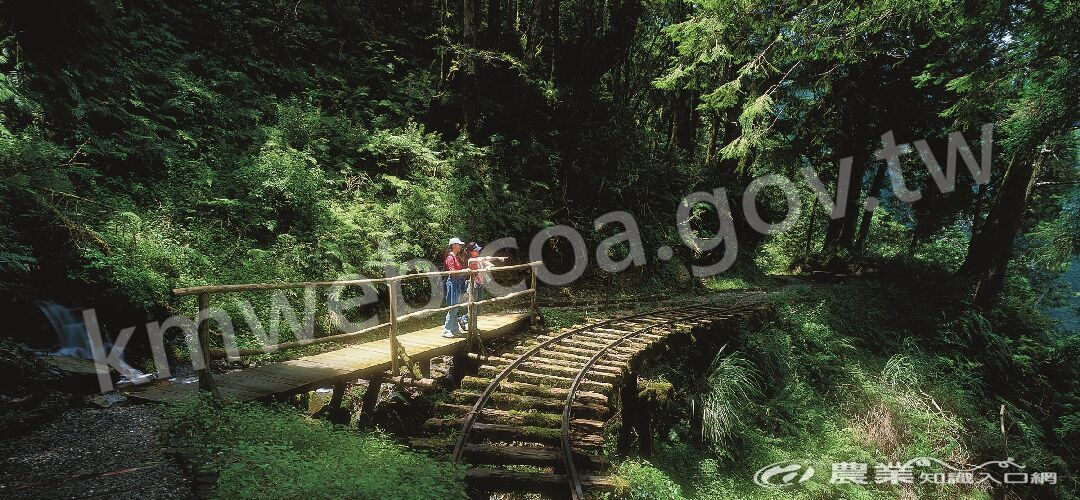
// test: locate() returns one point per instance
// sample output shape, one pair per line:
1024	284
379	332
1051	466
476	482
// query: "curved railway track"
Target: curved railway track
545	407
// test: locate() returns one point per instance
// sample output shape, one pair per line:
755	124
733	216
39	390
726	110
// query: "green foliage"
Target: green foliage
140	150
725	282
563	318
1057	239
647	482
359	136
262	452
192	164
731	383
144	259
288	184
870	372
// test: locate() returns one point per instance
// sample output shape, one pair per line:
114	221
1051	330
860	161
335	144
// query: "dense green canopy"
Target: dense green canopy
147	145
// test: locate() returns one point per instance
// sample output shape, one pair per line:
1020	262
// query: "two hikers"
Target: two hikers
456	283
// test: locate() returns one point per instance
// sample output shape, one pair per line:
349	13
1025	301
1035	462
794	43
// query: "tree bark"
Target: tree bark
468	21
852	140
683	127
991	248
532	35
555	40
868	215
976	212
729	167
714	136
494	21
810	229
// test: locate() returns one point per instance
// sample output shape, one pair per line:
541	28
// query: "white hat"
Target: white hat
455	241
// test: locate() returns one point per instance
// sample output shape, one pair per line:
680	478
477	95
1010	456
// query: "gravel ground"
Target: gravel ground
93	453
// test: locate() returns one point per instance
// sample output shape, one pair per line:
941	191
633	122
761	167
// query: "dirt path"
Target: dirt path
93	453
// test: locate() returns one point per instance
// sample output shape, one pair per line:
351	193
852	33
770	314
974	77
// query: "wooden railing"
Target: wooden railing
397	352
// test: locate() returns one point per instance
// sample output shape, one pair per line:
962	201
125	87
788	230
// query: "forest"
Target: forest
915	163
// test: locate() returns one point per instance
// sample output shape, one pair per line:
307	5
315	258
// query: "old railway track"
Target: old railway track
535	421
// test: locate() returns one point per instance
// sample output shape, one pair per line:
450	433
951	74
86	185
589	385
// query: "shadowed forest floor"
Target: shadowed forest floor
93	452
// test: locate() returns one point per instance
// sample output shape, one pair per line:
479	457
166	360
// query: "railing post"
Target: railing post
206	378
395	359
470	311
534	313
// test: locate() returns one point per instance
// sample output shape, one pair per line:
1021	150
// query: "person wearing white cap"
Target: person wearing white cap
455	286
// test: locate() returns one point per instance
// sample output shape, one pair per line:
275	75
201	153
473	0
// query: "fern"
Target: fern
16	262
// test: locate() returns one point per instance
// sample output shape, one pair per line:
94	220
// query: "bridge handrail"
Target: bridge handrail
254	287
206	379
218	353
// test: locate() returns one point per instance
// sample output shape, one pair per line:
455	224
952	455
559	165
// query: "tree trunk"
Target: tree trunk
810	229
831	244
532	36
494	21
495	28
852	140
466	74
729	167
990	248
555	40
714	136
868	215
517	17
442	55
683	121
468	21
976	212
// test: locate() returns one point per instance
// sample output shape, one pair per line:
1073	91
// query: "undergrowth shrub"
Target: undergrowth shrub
262	452
873	372
647	482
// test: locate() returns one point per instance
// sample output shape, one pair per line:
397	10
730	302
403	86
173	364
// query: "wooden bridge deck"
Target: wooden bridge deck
309	372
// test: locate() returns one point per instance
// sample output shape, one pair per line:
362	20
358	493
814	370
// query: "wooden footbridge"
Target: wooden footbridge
398	355
533	419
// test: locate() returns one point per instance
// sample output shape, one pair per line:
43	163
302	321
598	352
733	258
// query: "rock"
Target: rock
107	400
70	364
318	398
71	374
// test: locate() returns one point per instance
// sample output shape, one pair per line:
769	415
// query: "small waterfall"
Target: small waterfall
75	341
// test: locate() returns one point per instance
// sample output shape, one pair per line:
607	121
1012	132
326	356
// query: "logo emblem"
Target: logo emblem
783	474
